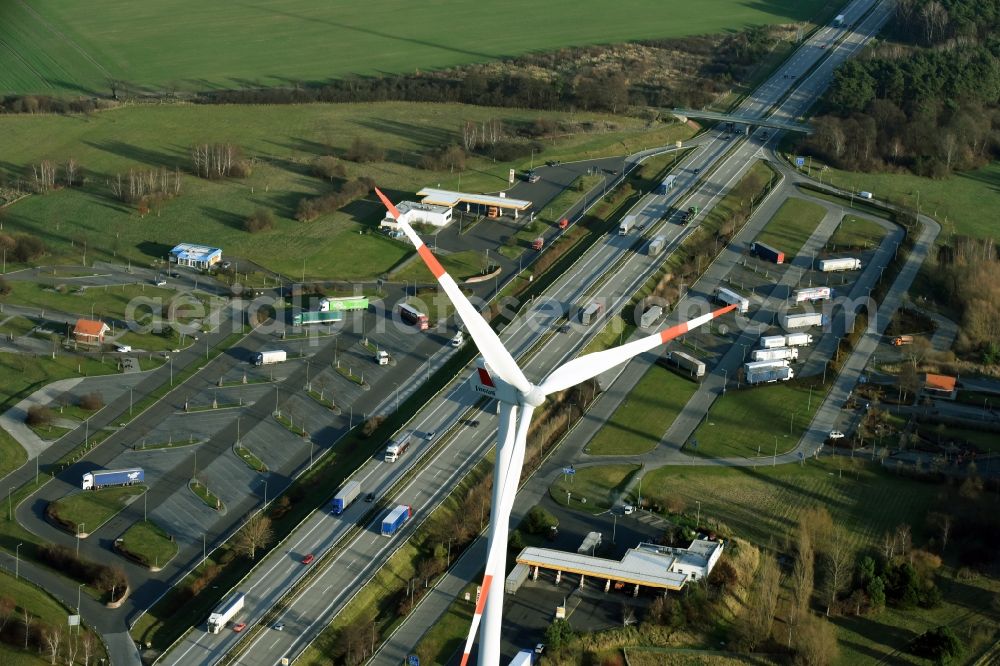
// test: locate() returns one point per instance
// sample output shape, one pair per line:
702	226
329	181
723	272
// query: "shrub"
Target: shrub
364	150
329	168
260	220
39	415
371	425
539	521
940	645
4	287
28	248
92	401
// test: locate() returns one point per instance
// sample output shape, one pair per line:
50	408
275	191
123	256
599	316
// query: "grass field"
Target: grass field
45	610
96	507
765	502
640	421
283	141
600	486
23	374
102	302
16	326
964	203
149	543
770	418
55	46
792	226
855	233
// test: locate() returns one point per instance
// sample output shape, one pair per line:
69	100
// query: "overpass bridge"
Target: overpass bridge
754	121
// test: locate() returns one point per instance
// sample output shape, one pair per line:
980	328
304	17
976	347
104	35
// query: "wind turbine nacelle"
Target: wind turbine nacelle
486	383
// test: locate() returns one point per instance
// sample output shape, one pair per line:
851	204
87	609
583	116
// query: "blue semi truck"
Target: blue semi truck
113	477
392	522
343	499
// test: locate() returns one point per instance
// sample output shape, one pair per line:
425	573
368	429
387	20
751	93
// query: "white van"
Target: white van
458	339
865	195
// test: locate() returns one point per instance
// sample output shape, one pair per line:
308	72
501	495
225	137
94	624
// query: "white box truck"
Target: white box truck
656	245
730	297
801	320
842	264
775	354
345	496
590	313
650	316
798	339
225	612
772	341
626	225
269	357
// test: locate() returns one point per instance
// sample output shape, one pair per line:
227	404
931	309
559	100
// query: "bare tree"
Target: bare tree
111	580
256	533
27	626
762	601
52	636
628	615
88	647
803	579
71	171
904	538
72	648
836	567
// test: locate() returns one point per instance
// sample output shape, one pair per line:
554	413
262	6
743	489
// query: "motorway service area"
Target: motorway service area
443	462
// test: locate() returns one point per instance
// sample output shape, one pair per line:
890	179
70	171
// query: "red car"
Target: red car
308	559
239	627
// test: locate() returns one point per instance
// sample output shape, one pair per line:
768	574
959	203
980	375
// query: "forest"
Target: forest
926	99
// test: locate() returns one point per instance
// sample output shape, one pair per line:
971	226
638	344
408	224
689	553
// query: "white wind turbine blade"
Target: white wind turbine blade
505	448
585	367
489	344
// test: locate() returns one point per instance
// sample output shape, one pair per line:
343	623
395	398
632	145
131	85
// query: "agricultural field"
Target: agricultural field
282	142
792	225
639	423
769	419
59	47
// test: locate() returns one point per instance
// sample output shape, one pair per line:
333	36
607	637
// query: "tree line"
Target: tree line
928	102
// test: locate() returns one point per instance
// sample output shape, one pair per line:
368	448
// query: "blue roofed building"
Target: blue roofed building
195	256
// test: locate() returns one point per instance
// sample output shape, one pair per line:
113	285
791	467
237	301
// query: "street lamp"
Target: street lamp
129	387
396	389
697	521
79	589
79	529
17	561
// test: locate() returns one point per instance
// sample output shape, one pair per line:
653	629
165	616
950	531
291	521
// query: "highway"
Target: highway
357	561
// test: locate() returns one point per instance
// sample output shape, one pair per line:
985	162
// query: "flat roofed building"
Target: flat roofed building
649	565
412	213
941	386
499	203
196	256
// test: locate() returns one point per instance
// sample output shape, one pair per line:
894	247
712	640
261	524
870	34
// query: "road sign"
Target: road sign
800	162
73	620
569	470
413	660
510	177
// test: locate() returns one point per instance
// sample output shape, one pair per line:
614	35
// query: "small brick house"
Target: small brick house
90	332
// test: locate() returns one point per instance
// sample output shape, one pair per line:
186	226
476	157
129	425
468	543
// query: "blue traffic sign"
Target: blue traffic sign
413	660
800	161
569	470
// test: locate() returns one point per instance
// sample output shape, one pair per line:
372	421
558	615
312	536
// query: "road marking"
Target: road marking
275	642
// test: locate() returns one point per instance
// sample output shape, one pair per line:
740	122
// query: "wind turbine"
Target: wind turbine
500	377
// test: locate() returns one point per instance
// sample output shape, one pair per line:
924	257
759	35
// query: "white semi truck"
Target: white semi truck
225	612
397	447
842	264
801	320
762	372
775	354
269	357
730	297
687	362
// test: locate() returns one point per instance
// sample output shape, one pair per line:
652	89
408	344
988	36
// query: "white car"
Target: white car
629	509
160	282
124	349
540	648
458	339
836	434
